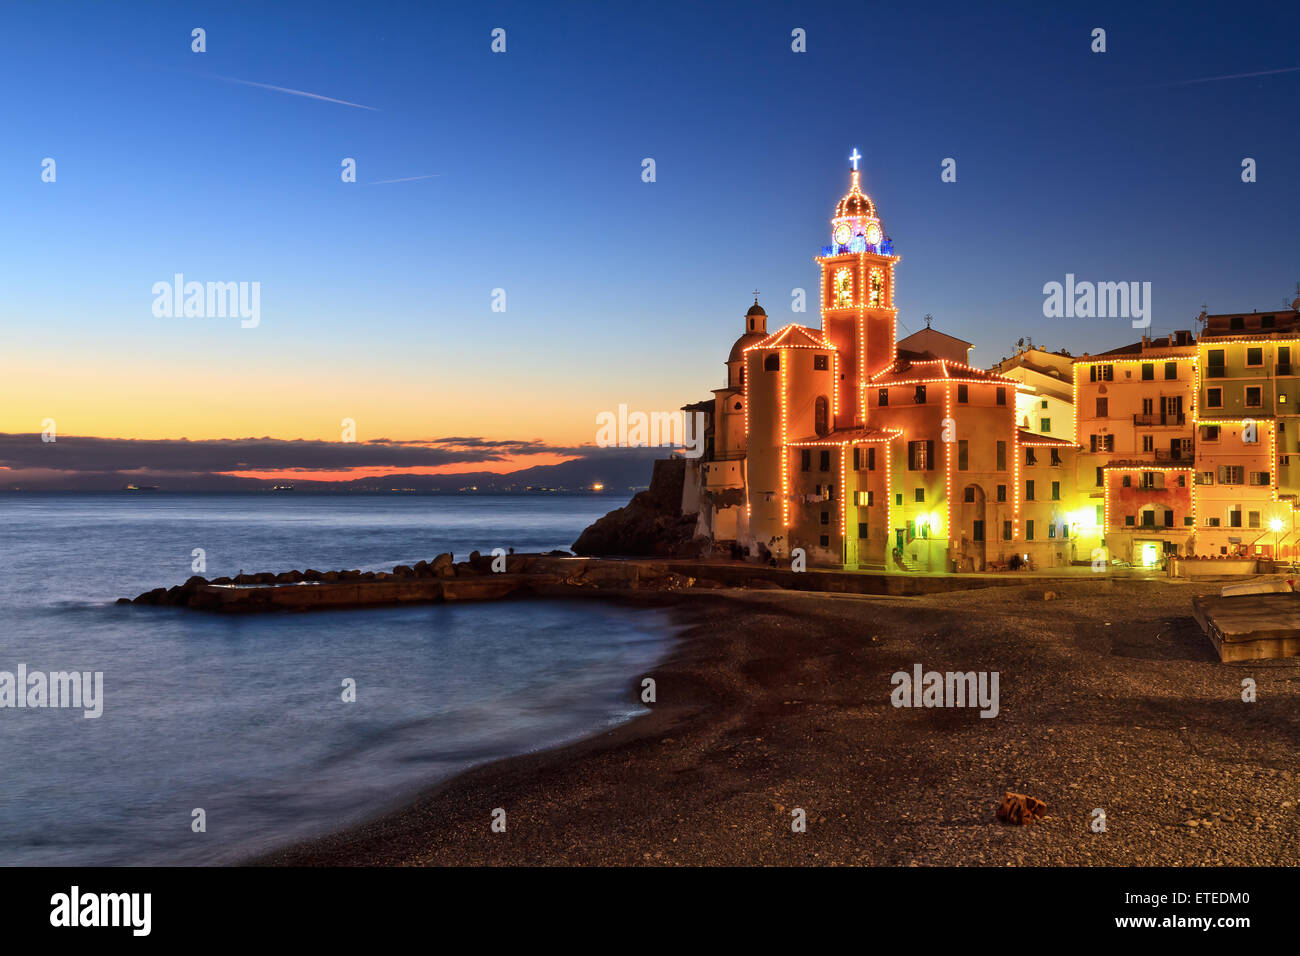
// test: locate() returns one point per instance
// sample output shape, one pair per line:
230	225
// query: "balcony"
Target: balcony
1156	420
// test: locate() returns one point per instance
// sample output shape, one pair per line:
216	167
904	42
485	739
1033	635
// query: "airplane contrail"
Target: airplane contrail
406	179
1230	76
285	89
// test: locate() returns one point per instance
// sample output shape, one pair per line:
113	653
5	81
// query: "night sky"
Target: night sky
376	296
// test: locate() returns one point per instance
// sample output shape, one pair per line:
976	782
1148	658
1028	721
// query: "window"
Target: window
1102	442
1252	519
1210	433
970	493
1148	406
1234	517
1236	323
1029	530
821	415
1253	396
1045	424
1002	456
1187	520
1044	405
1212	522
963	454
824	541
862	529
824	461
843	288
920	494
1259	478
1030	457
1006	531
920	455
1148	443
877	288
1002	492
826	517
1171	370
882	397
1102	407
821	363
1128	481
1029	490
1254	356
871	459
1128	520
1051	529
977	530
920	395
898	499
1232	475
963	394
805	460
1214	363
1205	477
1056	491
866	499
1214	398
1099	476
1002	395
772	363
1056	457
857	459
1101	373
1148	371
1266	321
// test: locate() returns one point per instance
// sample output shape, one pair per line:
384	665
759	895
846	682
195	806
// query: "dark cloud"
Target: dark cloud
78	454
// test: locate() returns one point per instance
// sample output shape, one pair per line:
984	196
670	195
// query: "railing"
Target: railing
1160	419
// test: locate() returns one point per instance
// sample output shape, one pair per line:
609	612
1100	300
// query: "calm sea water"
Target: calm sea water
242	716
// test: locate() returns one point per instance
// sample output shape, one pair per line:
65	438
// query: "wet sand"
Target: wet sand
1110	697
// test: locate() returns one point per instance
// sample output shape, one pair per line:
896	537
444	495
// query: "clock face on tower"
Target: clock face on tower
873	234
842	234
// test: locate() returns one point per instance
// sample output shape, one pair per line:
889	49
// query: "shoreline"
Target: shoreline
773	700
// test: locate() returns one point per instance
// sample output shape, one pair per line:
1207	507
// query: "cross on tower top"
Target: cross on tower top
854	157
756	295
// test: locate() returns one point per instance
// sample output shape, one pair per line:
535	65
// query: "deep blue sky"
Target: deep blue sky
618	291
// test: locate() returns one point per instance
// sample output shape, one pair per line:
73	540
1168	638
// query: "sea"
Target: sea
223	737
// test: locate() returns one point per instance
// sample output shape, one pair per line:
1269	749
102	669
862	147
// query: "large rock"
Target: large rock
651	524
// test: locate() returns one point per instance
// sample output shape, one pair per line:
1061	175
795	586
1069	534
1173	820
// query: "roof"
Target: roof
793	336
755	309
1153	347
1027	437
863	434
910	366
855	201
745	341
929	332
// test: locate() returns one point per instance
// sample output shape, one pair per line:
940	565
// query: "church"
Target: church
866	450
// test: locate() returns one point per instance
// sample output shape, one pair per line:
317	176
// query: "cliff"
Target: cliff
651	524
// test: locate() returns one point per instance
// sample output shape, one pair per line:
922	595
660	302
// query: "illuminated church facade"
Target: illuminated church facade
869	451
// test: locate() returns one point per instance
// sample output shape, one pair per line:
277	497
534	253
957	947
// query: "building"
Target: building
848	447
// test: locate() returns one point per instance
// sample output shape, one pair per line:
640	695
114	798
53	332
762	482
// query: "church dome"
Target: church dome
755	309
744	342
855	202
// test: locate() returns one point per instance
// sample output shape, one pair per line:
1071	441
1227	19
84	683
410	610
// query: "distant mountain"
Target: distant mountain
618	470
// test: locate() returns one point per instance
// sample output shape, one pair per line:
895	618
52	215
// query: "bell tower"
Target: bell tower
857	297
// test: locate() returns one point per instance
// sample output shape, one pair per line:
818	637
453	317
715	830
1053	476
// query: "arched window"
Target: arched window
821	415
843	288
772	363
877	288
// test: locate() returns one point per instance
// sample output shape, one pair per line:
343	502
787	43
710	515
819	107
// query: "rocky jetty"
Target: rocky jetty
482	577
651	524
